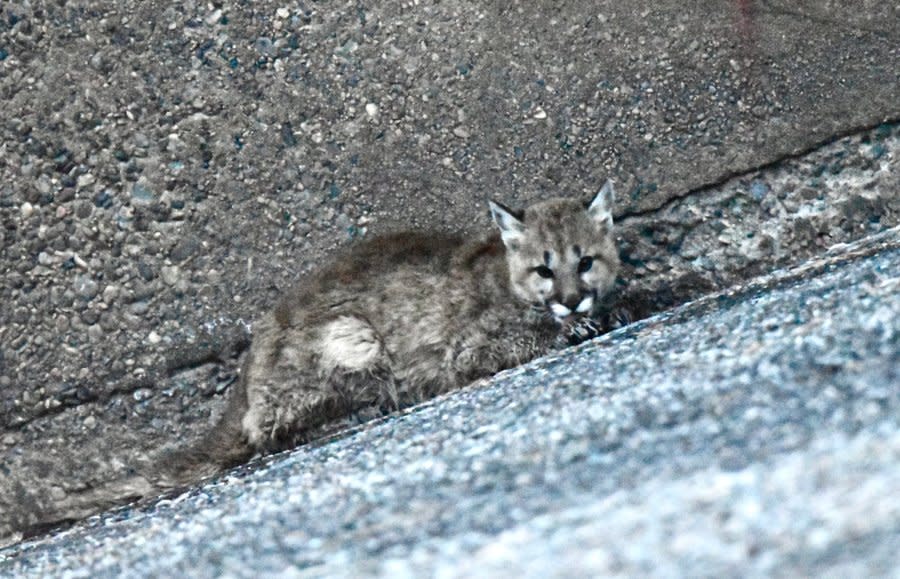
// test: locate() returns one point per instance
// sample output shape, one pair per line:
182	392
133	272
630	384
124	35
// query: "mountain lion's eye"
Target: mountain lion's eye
586	263
544	271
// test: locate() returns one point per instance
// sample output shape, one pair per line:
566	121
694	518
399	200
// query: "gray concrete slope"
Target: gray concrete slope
754	432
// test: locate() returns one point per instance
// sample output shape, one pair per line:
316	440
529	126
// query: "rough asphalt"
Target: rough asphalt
755	432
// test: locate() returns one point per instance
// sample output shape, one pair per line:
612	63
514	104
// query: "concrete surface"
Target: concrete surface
752	433
165	174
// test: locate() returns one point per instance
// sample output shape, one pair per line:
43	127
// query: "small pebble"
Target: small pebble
90	316
141	194
102	200
264	46
85	180
65	194
110	293
142	394
84	210
86	287
170	274
95	332
758	190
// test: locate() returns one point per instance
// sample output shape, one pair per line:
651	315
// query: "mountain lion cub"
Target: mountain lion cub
407	316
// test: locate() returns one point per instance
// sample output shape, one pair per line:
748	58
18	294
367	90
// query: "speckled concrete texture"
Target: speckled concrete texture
167	171
750	433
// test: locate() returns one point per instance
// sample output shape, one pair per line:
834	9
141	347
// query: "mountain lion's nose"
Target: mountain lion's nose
571	301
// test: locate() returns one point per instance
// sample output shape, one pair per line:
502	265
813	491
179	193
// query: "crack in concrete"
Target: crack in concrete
707	187
215	348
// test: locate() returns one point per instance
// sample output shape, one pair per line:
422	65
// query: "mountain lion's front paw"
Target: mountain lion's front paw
578	331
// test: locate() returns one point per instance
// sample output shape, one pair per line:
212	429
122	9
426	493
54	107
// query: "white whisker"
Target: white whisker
585	305
559	310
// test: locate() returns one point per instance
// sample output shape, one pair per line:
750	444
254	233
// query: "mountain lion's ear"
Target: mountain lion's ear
511	226
600	209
